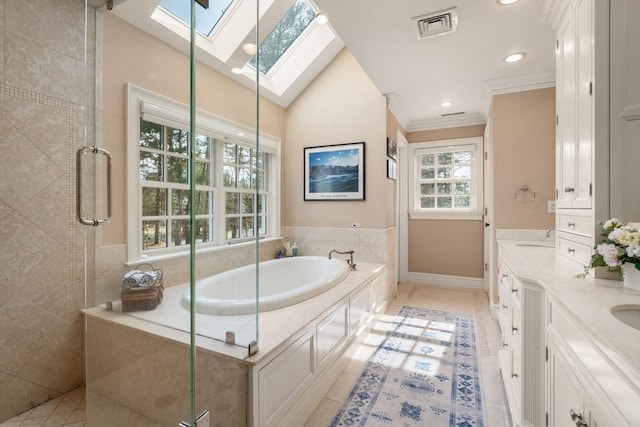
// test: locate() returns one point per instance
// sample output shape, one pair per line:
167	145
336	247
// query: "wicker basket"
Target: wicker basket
142	290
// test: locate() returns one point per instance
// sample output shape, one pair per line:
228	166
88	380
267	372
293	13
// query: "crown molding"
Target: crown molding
395	109
447	122
521	83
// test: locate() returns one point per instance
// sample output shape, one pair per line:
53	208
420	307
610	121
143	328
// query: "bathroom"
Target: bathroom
49	105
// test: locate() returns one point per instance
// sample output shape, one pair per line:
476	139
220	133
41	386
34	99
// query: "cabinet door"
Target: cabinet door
566	134
565	394
584	91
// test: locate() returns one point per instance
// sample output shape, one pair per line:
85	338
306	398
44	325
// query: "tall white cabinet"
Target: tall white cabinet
582	122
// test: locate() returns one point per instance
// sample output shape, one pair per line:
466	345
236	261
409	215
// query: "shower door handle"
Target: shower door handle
94	222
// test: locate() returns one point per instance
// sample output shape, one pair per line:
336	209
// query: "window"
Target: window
447	179
206	19
292	24
235	183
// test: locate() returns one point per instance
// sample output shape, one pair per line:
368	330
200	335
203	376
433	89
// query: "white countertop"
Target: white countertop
588	301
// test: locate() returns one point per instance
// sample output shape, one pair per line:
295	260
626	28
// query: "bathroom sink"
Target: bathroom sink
629	314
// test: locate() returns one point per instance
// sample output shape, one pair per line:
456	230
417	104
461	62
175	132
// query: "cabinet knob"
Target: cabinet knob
514	290
571	250
504	276
577	418
514	329
505	306
514	375
569	189
505	345
571	224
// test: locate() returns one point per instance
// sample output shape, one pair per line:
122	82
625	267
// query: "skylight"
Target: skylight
292	24
206	19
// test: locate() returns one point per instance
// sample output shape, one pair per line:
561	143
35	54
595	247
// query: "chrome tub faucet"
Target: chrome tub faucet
352	266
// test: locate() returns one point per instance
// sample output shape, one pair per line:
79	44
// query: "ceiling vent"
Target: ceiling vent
437	23
452	114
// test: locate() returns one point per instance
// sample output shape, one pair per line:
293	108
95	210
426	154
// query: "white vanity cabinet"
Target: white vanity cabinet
521	319
582	122
583	388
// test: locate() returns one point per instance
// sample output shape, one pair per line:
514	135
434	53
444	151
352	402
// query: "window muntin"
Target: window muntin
153	125
288	29
447	179
164	187
243	174
206	19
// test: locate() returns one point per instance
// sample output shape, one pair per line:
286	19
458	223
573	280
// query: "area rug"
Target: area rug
424	373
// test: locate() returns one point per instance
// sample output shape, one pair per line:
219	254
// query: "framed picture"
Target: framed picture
334	172
391	148
391	169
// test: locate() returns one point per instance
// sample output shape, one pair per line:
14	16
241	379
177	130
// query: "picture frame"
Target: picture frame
391	169
334	172
392	148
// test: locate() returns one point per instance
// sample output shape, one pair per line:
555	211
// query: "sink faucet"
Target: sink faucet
352	266
548	234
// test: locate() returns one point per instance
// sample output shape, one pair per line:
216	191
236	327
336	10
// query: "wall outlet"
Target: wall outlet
551	206
355	225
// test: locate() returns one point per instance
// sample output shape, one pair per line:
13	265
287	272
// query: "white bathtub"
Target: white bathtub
283	282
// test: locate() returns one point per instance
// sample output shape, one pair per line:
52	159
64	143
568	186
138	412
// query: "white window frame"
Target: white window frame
160	109
475	212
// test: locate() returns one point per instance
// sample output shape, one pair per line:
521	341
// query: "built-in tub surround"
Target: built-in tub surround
142	364
282	282
587	303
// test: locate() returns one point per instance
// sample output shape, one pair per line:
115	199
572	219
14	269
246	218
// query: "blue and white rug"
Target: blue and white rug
424	373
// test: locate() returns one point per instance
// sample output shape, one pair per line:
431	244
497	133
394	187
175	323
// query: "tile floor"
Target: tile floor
66	410
69	410
439	298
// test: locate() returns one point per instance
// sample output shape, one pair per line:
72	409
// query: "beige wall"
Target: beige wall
523	129
340	106
436	246
133	56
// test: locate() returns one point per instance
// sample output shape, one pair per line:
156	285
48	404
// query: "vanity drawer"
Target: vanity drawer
575	224
574	250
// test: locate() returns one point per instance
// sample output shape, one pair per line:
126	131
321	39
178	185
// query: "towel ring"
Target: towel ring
524	195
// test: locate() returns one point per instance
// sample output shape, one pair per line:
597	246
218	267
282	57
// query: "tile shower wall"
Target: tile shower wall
43	118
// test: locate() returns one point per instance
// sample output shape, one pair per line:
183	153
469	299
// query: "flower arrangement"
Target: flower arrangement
620	244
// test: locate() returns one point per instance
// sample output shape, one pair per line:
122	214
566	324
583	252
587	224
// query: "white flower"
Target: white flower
618	235
609	253
612	223
629	237
634	249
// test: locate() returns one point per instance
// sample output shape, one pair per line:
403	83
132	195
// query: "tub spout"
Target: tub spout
352	266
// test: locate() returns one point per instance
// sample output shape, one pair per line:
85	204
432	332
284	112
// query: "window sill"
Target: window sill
447	215
185	254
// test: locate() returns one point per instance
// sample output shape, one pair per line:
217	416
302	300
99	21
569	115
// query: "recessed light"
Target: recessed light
250	48
236	70
322	18
514	57
507	2
240	133
446	103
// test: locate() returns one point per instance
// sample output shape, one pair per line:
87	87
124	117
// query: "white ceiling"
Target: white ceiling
465	66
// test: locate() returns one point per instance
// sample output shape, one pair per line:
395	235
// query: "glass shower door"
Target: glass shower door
160	116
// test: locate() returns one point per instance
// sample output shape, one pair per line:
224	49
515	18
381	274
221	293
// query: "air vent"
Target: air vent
452	114
437	23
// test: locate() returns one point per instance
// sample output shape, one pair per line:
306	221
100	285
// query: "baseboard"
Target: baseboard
445	280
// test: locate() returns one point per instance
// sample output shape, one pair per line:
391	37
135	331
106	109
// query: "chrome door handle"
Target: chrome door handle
94	222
